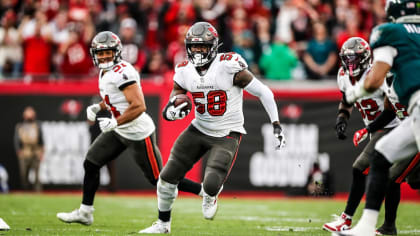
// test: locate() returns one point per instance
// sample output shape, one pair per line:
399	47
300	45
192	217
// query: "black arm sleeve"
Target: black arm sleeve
381	121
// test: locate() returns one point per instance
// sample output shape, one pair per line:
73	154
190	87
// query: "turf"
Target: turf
125	215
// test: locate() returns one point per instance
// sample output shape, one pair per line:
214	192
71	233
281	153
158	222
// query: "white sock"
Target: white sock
166	193
369	218
86	208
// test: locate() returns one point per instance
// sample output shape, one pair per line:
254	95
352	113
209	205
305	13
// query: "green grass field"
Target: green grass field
116	215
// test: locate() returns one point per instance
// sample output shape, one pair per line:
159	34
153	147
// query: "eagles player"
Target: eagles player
130	127
216	82
396	47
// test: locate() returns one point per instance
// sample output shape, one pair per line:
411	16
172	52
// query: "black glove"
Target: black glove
278	133
340	127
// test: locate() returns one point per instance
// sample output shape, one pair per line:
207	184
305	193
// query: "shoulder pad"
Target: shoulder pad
385	34
232	62
181	65
342	79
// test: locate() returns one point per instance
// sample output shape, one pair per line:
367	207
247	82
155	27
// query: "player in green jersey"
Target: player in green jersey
396	48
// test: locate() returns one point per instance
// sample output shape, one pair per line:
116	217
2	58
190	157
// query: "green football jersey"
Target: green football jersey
405	37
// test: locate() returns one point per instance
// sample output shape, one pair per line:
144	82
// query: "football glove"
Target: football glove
176	113
359	136
340	127
278	133
91	111
354	93
107	124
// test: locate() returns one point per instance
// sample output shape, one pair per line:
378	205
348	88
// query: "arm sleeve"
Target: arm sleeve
381	121
385	54
258	89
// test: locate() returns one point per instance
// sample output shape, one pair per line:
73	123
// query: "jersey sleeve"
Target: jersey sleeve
384	35
233	62
341	77
128	76
178	78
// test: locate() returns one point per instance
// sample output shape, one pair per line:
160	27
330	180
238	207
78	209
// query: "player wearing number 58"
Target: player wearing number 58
130	127
216	82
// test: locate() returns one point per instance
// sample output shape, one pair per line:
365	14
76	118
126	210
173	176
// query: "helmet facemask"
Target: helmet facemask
201	58
104	65
352	63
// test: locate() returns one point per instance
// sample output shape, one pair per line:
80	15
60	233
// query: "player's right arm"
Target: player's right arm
344	109
170	112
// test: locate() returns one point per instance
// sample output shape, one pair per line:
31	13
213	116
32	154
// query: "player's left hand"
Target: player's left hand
278	133
107	124
359	136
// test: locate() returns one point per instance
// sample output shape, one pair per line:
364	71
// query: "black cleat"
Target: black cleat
386	230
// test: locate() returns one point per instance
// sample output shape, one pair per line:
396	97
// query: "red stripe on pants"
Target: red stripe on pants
152	158
409	168
234	158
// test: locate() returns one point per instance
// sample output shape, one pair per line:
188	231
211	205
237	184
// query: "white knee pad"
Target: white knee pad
166	193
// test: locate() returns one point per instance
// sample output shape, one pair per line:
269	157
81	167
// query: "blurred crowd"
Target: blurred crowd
280	39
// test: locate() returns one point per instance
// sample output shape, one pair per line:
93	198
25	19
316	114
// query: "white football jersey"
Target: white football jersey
218	103
110	84
371	106
398	108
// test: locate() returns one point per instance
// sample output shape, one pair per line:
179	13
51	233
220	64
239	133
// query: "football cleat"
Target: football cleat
3	225
209	206
76	216
339	224
158	227
359	230
386	230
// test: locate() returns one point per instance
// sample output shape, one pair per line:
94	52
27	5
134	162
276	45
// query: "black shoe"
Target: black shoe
386	230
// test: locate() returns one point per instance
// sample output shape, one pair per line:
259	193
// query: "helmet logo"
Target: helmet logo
213	31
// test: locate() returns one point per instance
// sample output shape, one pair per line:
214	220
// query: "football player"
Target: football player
355	56
379	114
130	127
396	47
216	82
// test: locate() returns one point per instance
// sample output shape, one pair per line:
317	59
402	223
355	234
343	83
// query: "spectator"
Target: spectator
37	49
29	148
75	53
278	61
320	57
245	47
155	64
58	28
10	46
352	30
131	41
176	52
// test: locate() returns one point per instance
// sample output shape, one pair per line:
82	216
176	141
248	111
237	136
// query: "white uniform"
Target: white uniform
218	102
110	82
399	109
371	106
